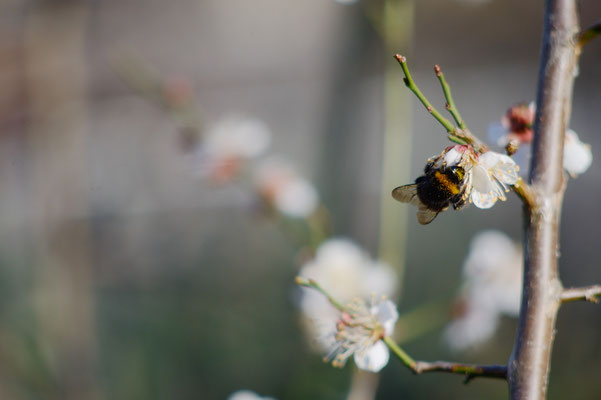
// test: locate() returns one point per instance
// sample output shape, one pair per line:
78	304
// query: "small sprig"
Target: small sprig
458	134
410	83
450	106
351	319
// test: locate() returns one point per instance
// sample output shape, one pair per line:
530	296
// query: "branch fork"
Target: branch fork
458	133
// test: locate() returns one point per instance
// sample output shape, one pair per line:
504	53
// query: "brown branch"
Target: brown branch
470	371
587	293
528	367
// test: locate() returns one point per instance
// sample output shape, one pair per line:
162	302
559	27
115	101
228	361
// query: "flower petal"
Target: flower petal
483	200
374	358
506	171
378	277
387	315
501	166
454	155
484	192
577	156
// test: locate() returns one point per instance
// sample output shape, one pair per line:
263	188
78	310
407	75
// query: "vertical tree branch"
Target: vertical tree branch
530	360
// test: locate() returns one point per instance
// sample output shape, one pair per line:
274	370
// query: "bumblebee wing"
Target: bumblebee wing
425	215
407	194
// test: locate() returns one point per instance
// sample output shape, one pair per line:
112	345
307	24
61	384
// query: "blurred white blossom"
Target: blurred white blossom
281	186
359	331
475	326
346	271
577	156
230	142
492	275
247	395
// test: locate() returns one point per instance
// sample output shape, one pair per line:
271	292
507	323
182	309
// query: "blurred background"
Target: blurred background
134	266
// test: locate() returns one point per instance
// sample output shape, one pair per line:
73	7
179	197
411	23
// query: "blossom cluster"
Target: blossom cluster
231	144
492	274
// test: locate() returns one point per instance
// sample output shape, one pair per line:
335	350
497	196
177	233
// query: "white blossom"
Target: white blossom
577	156
494	264
285	189
359	332
487	175
228	143
345	271
236	135
492	274
475	326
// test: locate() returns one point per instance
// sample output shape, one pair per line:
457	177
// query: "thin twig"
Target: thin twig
587	293
447	94
470	371
588	34
452	129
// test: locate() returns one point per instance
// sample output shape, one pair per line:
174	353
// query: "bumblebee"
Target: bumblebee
440	187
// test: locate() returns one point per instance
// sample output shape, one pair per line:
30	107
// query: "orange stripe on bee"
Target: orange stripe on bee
446	182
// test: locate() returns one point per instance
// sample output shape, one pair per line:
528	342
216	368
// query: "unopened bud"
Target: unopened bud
512	146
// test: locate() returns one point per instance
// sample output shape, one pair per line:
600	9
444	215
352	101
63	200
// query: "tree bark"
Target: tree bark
529	364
